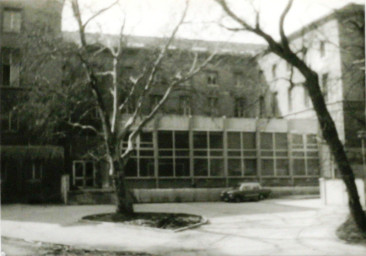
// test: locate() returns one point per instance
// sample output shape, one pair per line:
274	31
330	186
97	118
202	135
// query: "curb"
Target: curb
204	221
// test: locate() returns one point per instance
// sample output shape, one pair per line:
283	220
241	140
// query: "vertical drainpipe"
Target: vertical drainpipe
156	152
225	124
190	137
289	155
258	144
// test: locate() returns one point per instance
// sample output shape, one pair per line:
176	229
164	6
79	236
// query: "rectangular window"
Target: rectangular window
274	104
234	167
9	122
212	105
306	97
239	107
238	79
12	20
322	48
233	140
262	106
154	101
84	173
10	67
274	71
185	105
212	77
289	97
34	170
324	85
250	167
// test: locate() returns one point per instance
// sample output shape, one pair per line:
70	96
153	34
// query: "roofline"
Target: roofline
324	19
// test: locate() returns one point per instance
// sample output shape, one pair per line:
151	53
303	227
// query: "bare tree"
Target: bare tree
94	79
282	48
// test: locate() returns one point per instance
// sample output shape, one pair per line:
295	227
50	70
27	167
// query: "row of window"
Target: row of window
324	85
31	170
304	50
240	107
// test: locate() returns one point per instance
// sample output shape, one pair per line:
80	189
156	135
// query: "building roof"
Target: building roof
178	43
347	9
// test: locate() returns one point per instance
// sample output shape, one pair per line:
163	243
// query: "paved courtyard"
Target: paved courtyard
270	227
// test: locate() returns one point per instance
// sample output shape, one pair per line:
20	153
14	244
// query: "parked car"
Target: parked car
245	191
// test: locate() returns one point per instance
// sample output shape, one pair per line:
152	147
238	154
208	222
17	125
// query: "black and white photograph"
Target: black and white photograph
182	127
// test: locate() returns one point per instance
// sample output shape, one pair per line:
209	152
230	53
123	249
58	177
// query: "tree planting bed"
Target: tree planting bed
170	221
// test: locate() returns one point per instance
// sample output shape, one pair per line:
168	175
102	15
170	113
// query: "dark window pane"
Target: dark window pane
216	140
282	167
182	167
200	140
181	140
131	168
234	167
313	166
281	140
267	167
299	166
281	153
146	136
182	153
267	153
89	183
311	139
266	141
200	153
146	167
234	153
165	167
200	167
217	167
249	140
6	75
233	140
250	153
250	167
79	170
165	152
298	154
297	139
216	153
146	152
165	139
89	169
79	183
312	154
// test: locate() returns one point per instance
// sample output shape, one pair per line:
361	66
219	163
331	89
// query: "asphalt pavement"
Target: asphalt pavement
270	227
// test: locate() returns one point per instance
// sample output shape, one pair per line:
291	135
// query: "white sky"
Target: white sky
158	17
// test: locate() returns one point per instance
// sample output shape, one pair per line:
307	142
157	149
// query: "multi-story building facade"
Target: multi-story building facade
213	132
333	46
25	166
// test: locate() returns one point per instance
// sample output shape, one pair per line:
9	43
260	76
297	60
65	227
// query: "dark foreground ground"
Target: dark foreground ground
17	247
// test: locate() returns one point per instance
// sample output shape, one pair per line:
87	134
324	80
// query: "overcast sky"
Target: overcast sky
158	17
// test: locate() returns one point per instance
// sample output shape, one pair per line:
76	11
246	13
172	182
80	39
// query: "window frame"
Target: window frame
12	12
83	177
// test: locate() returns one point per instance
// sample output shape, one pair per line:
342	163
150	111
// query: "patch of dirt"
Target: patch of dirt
18	247
68	251
150	219
349	232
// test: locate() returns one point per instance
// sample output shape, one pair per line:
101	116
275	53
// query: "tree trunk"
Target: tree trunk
330	135
124	198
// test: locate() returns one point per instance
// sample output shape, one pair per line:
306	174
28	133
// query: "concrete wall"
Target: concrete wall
177	195
333	192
